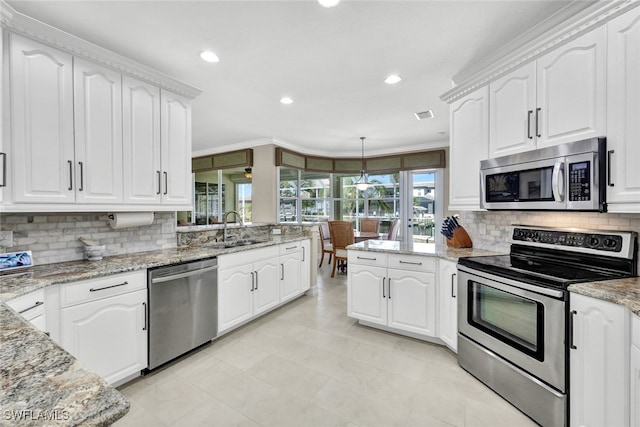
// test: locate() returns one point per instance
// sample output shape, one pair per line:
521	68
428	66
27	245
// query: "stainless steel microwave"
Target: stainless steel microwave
564	177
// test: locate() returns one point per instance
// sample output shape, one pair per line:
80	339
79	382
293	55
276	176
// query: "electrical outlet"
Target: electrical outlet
276	231
6	238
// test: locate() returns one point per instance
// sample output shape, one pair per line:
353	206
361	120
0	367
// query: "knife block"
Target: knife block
460	239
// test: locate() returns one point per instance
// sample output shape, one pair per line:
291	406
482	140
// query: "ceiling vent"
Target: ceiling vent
424	115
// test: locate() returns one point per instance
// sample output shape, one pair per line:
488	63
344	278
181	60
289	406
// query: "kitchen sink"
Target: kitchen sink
231	243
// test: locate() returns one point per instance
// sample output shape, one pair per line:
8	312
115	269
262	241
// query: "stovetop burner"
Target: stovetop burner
558	258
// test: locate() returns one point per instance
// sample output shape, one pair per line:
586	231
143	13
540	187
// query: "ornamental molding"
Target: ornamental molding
18	23
521	52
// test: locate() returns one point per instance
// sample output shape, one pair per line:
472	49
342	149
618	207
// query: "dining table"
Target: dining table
360	236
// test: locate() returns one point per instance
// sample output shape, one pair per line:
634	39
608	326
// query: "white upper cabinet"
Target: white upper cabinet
141	141
98	133
175	136
469	123
512	101
623	102
571	91
41	125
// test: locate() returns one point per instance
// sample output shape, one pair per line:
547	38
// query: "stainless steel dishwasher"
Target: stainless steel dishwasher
183	309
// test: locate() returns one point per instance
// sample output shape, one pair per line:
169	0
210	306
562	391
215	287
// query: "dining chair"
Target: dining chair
371	225
393	230
325	241
341	236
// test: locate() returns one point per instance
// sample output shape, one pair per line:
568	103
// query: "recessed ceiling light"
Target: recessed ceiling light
328	3
424	115
392	79
209	56
286	100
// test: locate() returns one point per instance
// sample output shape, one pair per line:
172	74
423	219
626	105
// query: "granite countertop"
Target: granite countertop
41	383
427	249
625	292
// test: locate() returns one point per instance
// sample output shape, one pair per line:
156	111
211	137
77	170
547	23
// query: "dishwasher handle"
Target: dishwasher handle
183	275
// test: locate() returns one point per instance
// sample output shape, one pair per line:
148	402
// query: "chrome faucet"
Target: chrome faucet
226	215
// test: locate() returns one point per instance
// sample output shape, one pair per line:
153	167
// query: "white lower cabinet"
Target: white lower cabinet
32	308
290	285
599	376
395	291
247	289
103	324
634	389
305	266
448	303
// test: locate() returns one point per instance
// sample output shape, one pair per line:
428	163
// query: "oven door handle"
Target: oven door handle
504	283
557	181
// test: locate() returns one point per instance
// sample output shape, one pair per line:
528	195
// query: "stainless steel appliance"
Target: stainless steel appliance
570	176
513	311
183	309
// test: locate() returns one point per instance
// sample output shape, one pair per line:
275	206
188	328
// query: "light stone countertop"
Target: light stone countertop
427	249
42	384
625	292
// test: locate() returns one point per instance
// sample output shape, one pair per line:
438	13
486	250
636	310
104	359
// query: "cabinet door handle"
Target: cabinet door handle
256	280
144	305
166	183
538	110
389	288
70	175
383	280
37	304
281	271
529	114
81	176
453	276
4	169
108	287
159	183
411	263
609	154
303	253
253	281
572	346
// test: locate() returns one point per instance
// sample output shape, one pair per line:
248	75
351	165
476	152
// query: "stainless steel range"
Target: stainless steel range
513	311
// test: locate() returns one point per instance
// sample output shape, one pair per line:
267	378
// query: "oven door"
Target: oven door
523	324
531	185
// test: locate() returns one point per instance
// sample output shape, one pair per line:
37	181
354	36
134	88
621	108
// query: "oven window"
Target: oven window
531	185
513	319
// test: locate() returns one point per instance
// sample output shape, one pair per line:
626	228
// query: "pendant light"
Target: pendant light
363	183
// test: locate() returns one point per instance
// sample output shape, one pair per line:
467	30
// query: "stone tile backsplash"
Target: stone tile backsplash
53	237
490	229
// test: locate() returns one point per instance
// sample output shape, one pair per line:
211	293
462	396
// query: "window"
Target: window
315	196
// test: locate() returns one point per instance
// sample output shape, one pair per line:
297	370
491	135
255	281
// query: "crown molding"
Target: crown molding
18	23
568	24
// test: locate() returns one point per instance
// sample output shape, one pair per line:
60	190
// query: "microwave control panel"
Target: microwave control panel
580	181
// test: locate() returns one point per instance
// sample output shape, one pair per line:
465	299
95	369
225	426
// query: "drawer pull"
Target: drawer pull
291	247
108	287
412	263
368	259
37	304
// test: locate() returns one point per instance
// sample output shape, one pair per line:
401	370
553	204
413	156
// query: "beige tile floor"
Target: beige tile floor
308	364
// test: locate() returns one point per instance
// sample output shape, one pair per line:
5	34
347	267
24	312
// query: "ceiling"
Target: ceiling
330	61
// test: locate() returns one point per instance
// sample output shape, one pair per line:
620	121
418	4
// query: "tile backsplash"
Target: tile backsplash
53	237
490	229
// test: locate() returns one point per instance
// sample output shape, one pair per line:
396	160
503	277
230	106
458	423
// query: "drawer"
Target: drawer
290	248
412	262
376	259
29	305
635	330
95	289
248	256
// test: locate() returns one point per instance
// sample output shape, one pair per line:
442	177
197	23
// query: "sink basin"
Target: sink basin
231	243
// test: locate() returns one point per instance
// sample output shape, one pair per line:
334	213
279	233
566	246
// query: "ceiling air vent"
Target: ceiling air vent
424	115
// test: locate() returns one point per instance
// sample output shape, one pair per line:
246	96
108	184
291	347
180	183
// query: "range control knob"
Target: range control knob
593	241
609	243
